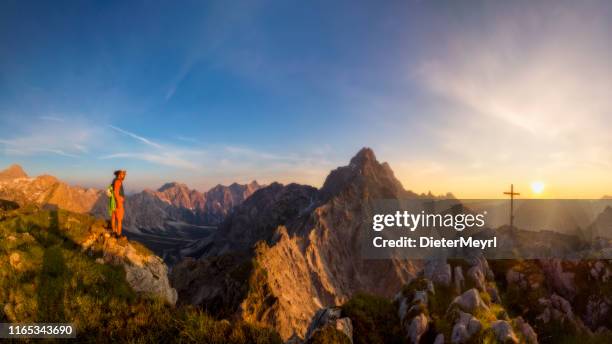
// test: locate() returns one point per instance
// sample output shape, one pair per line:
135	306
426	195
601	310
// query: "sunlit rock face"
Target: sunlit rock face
302	247
48	191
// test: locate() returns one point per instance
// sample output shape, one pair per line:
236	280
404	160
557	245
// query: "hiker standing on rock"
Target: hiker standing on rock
116	200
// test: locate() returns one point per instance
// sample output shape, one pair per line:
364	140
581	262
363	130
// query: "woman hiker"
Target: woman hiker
115	203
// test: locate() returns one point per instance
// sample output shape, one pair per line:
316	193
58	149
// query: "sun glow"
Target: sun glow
537	187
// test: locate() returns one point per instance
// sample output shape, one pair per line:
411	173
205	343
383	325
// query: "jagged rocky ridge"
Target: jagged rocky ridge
283	234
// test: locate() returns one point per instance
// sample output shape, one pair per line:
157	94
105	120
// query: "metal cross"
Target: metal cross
512	194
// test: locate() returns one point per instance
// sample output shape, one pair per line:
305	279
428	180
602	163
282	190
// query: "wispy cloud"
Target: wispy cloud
137	137
67	139
166	159
262	155
14	147
180	76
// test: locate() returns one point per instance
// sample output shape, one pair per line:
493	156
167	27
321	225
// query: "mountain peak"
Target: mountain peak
363	172
364	156
13	172
171	185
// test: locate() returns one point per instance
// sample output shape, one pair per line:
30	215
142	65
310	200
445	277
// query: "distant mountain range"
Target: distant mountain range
148	210
174	202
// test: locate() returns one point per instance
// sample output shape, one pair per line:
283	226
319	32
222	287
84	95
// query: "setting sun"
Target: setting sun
537	187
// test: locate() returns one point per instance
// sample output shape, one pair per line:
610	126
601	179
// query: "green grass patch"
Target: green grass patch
375	320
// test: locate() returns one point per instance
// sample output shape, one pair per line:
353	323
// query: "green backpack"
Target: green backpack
112	203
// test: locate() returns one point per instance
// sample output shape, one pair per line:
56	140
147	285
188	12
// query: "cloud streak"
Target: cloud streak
165	159
137	137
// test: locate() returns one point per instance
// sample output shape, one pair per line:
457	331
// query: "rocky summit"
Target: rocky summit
298	233
12	172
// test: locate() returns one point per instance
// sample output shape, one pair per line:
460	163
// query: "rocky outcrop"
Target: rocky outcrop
465	328
330	317
459	280
558	309
434	313
311	236
144	271
572	292
438	271
413	308
418	327
504	332
55	235
470	301
529	335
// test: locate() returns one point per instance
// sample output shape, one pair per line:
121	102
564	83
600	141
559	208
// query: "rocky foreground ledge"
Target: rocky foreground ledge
30	230
144	271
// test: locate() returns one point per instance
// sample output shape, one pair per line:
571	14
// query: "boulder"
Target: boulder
330	317
561	281
459	279
477	277
403	306
483	265
144	271
465	328
438	271
492	291
503	332
420	296
459	335
470	301
526	330
418	327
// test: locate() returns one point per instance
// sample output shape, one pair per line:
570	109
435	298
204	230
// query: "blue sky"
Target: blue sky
456	96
